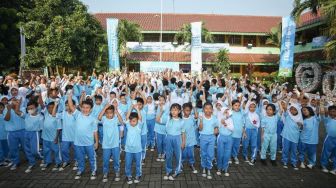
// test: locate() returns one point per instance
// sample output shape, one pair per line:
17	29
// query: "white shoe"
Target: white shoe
302	165
310	166
219	172
9	164
93	176
78	175
13	167
236	161
325	170
171	178
29	169
209	176
333	172
230	162
204	173
226	174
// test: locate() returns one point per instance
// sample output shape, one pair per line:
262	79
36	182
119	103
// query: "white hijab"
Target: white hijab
253	116
298	117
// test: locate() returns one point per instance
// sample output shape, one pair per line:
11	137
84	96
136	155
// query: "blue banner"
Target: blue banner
287	47
112	41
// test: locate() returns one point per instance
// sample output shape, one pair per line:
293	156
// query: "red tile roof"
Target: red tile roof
213	22
206	57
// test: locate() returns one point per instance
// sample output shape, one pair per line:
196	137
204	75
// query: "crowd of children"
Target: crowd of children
170	112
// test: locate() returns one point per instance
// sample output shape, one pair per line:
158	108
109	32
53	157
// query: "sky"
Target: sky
226	7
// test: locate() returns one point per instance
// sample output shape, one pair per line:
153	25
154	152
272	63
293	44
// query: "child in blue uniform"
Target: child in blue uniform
50	135
33	124
293	122
190	127
14	125
238	123
269	124
175	141
97	108
224	142
3	137
160	128
252	123
309	137
133	147
329	145
208	127
150	120
112	135
86	137
68	134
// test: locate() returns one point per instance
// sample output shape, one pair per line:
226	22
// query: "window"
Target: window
218	38
151	37
250	40
235	40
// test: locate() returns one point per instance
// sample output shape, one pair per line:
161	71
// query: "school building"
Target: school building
244	36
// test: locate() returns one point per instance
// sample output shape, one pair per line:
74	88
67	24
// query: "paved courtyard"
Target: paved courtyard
241	175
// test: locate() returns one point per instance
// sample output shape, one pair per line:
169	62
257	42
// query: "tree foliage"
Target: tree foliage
62	33
10	33
127	31
223	62
185	35
275	36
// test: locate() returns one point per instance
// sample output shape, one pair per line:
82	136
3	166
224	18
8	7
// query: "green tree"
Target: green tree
10	34
223	61
275	36
62	33
127	31
327	9
185	35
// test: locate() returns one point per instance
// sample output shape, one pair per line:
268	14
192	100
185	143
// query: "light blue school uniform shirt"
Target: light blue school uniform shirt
34	123
3	132
160	128
270	123
220	89
96	110
309	133
174	127
111	132
290	130
15	123
133	138
61	105
124	109
84	128
149	116
238	124
190	130
248	124
224	130
330	125
50	126
68	126
209	125
213	90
